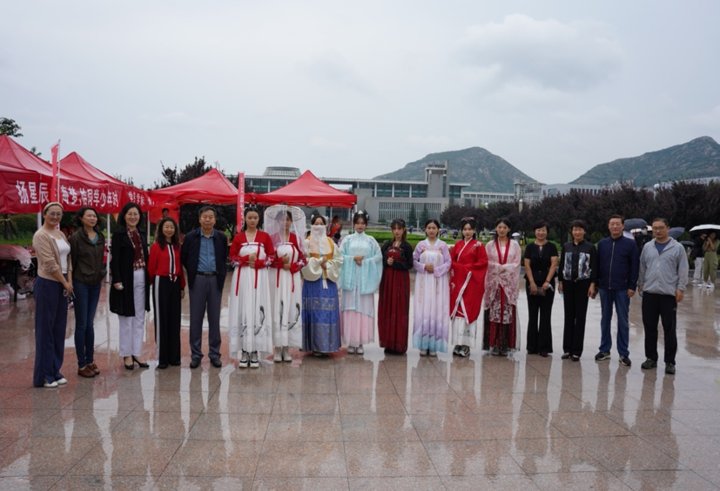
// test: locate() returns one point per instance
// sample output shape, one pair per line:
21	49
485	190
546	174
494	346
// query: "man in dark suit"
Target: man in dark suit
204	256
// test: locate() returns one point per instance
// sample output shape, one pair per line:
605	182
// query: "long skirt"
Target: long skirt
393	310
463	333
167	308
249	313
501	330
431	312
320	317
287	308
357	327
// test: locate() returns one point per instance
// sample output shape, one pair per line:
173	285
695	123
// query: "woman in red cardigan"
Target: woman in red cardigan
168	281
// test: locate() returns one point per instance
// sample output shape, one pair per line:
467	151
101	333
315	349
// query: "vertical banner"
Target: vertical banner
240	200
55	186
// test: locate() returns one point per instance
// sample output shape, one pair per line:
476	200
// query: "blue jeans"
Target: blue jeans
86	301
50	322
622	306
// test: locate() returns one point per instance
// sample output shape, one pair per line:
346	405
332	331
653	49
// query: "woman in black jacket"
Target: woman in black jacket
87	249
129	296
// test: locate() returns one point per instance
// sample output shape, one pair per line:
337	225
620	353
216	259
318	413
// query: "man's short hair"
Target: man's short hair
579	224
661	219
207	208
620	217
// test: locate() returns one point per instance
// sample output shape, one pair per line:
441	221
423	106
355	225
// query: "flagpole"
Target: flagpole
55	184
240	202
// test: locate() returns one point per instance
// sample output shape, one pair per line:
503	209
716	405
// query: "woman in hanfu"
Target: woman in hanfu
249	307
359	280
394	302
467	286
320	303
432	292
286	227
501	292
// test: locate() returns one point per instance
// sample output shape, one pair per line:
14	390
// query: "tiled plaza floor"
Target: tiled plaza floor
368	422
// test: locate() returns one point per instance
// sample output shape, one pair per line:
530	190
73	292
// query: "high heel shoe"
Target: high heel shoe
140	363
130	366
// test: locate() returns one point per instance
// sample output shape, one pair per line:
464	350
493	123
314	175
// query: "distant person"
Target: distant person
204	255
394	298
467	287
53	287
168	282
618	266
710	261
699	255
359	280
87	250
165	213
502	285
662	281
130	291
335	231
541	263
578	274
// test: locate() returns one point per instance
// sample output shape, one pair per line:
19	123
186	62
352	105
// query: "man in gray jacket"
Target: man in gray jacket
663	278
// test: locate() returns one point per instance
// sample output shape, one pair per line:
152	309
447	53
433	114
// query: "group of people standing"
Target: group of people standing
298	288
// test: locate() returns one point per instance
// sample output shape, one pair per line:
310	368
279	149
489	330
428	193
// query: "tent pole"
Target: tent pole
107	241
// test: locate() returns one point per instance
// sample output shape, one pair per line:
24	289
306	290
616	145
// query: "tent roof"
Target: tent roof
17	159
212	187
74	164
307	190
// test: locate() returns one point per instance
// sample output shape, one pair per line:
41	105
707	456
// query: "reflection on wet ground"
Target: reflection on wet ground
372	421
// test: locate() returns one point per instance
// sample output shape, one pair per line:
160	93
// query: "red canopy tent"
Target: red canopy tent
306	190
25	181
118	193
211	187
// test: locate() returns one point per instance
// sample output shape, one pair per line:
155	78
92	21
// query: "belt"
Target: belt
207	273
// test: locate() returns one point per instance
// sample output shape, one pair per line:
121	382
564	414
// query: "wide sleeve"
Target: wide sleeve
407	262
417	263
371	268
333	266
443	268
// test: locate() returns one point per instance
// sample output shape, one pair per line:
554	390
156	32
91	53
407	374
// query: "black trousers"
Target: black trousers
167	308
539	336
660	307
575	302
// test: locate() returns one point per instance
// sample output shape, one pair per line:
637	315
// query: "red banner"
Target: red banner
240	200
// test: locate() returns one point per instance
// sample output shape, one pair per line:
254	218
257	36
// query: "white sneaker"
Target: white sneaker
360	350
254	362
61	381
424	352
278	356
432	353
351	350
50	385
286	356
244	360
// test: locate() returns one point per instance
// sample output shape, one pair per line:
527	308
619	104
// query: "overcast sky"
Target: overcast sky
359	88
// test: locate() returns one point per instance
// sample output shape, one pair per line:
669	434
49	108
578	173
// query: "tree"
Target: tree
424	215
412	217
10	127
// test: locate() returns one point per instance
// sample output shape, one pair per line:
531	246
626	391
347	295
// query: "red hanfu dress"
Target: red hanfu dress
394	301
467	287
502	285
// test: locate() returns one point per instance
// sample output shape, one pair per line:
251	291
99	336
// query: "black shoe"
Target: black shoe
648	364
602	356
670	369
162	366
131	366
543	354
175	363
565	356
575	357
195	363
216	362
141	364
625	361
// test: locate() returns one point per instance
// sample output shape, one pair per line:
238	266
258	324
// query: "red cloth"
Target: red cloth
159	263
468	258
261	238
394	300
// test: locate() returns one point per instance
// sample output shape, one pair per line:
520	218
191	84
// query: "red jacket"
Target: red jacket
159	263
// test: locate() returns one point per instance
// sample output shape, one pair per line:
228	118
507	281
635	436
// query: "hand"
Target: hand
533	288
390	261
592	291
679	295
630	293
286	266
118	286
560	288
358	260
429	268
68	288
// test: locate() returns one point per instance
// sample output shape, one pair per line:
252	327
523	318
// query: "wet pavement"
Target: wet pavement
368	422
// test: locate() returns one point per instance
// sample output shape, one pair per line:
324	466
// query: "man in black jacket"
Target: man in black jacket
204	256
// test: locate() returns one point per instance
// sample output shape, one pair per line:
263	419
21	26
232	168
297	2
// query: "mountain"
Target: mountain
697	158
482	169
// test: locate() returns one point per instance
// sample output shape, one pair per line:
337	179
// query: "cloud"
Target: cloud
178	118
323	143
548	54
335	70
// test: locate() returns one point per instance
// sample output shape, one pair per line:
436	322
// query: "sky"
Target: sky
358	89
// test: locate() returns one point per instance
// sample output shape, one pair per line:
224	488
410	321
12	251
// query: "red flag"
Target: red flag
240	200
54	188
